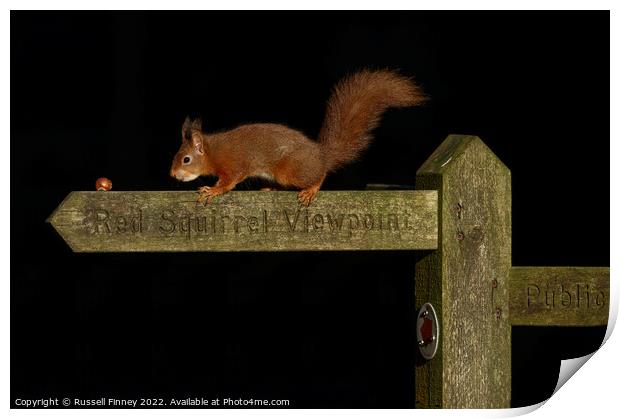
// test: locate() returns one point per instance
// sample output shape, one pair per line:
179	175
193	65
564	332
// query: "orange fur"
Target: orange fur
286	156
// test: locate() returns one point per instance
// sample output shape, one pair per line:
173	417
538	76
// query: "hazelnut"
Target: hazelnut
103	184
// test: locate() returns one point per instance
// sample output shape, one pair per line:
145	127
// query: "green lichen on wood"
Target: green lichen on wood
466	278
559	296
162	221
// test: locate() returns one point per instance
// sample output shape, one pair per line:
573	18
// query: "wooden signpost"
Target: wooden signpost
466	278
461	216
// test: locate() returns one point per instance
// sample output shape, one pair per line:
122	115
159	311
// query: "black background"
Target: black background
104	94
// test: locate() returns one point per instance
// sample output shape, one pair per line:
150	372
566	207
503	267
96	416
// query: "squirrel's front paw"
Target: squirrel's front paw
206	194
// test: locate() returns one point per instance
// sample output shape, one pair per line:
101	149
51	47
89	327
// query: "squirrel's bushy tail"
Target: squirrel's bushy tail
354	110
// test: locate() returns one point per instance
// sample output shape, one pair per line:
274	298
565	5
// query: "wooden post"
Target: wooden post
466	279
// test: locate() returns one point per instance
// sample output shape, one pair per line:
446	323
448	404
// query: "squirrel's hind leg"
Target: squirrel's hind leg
306	174
307	195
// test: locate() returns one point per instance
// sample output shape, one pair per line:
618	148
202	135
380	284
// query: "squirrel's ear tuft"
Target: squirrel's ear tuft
186	130
189	126
197	124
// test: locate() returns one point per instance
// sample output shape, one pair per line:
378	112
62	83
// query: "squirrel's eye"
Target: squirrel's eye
187	159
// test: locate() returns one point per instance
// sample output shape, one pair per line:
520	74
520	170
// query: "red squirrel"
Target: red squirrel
286	156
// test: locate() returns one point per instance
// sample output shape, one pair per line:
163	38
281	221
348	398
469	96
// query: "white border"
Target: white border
592	394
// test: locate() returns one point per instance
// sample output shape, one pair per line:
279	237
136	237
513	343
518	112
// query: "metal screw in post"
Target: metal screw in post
422	342
459	210
498	313
460	236
426	342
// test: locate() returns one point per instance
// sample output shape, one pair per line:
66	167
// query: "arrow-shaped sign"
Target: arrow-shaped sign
239	221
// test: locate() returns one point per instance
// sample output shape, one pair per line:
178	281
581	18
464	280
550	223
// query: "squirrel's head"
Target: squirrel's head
188	162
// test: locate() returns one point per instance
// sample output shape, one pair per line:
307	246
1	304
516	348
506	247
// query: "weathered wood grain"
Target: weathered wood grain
245	221
559	296
466	278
